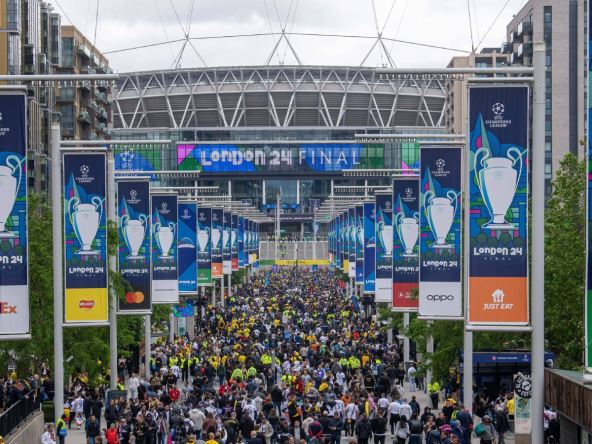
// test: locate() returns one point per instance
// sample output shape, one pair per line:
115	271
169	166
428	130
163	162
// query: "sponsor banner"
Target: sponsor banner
384	247
498	205
226	256
345	242
405	244
234	242
351	238
359	244
241	242
321	262
217	220
522	393
133	223
187	247
440	293
165	280
14	261
369	248
85	238
204	246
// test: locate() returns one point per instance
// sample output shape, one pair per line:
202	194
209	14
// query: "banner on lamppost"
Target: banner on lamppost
384	247
226	256
234	242
241	242
217	220
338	242
85	238
522	385
359	231
188	247
498	205
204	244
14	257
345	242
369	248
440	292
165	229
405	244
133	223
351	236
248	257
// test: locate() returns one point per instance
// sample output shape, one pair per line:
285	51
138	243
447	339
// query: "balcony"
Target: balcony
102	114
83	51
524	28
84	117
87	69
101	127
101	97
524	50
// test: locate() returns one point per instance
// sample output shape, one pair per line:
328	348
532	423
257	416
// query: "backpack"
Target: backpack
415	426
479	430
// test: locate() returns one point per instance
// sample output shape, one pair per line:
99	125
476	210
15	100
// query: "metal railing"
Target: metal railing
19	412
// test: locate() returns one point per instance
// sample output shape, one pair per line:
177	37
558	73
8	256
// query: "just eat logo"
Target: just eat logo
5	308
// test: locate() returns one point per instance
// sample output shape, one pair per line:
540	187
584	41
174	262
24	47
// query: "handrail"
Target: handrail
19	411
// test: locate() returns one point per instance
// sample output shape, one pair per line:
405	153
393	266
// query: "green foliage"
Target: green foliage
565	262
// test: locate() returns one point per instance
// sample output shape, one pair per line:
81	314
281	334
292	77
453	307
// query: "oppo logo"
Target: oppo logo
440	297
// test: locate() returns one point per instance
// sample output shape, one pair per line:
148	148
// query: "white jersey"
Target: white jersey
394	408
383	403
351	411
78	405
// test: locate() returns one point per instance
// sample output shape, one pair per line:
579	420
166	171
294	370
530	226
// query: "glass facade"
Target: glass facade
547	35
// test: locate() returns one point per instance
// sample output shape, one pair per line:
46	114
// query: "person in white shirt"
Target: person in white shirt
49	436
405	410
176	370
383	403
411	376
132	385
351	416
394	416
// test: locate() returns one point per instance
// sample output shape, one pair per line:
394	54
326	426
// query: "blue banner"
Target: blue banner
234	242
217	220
405	243
187	247
165	280
133	223
14	260
204	244
241	242
498	221
226	254
338	243
384	247
369	248
85	238
351	237
440	293
359	231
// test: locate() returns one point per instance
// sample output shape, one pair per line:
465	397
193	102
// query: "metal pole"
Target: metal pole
406	338
112	267
277	224
171	327
468	371
147	345
429	352
58	291
538	244
222	291
230	284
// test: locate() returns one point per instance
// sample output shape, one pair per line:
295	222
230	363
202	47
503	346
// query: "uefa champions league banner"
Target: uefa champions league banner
405	245
440	293
498	199
241	242
14	281
351	236
369	248
226	257
345	242
188	247
204	245
165	229
384	248
248	257
217	220
359	212
338	243
133	223
85	238
234	242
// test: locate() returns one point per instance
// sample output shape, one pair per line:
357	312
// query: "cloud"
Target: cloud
128	23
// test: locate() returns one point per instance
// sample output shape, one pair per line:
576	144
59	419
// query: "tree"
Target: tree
565	263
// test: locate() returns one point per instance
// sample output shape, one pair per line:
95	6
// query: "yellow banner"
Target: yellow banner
86	305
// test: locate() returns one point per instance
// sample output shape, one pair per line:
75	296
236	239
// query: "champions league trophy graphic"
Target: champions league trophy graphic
408	231
440	212
215	237
134	231
498	182
203	236
233	238
226	238
9	188
85	219
352	234
360	232
164	238
385	234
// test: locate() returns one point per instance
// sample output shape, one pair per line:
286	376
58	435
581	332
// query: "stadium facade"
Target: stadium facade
253	131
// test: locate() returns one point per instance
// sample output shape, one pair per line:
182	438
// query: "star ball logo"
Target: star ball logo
164	208
498	109
84	170
84	175
440	170
127	159
133	197
185	214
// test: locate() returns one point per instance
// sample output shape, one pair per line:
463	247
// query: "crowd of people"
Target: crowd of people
288	360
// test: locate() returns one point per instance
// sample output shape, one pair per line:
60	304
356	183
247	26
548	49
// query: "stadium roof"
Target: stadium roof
276	96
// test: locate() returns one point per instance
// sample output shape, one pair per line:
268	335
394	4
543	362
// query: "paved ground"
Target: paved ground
78	437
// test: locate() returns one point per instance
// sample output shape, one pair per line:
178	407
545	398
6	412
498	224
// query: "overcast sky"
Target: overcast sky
128	23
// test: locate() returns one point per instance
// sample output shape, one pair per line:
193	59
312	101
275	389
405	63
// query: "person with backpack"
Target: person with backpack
502	424
402	430
363	429
415	428
379	424
466	423
485	431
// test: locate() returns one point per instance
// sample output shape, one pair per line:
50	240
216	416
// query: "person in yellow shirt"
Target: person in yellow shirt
211	439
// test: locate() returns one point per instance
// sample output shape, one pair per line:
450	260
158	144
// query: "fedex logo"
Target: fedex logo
6	308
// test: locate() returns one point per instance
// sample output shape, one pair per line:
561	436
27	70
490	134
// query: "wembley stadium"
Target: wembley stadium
254	132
